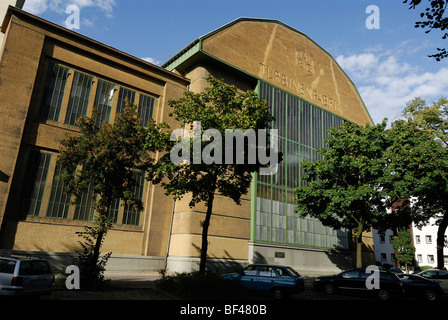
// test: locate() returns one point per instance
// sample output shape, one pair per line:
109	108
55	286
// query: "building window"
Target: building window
85	208
419	258
302	128
417	239
130	215
79	97
430	258
53	93
145	108
382	238
104	99
428	239
59	203
383	257
122	95
391	239
392	256
34	183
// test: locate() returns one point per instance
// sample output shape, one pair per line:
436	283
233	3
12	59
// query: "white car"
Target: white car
25	276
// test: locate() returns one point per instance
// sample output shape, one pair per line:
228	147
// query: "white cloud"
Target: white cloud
40	6
386	83
35	6
151	60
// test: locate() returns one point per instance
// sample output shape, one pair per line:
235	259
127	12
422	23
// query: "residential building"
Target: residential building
425	242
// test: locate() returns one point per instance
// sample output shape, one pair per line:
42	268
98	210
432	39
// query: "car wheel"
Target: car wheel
278	293
329	288
430	295
383	294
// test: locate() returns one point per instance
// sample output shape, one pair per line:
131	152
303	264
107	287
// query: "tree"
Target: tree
344	189
404	249
203	168
420	164
101	161
435	18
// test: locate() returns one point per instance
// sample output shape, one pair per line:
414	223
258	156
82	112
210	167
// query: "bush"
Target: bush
193	285
91	272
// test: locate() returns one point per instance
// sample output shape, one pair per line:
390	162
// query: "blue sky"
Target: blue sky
389	65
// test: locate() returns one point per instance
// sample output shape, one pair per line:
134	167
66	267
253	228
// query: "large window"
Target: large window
82	88
79	97
34	182
43	194
58	205
53	92
302	129
104	99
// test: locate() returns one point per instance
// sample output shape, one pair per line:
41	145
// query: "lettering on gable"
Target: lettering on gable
298	87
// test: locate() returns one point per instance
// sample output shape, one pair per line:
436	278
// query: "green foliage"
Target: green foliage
219	107
420	163
102	159
402	244
91	269
105	159
344	189
434	18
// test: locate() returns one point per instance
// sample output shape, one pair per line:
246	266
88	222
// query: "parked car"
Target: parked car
417	286
396	270
25	276
441	276
280	281
354	281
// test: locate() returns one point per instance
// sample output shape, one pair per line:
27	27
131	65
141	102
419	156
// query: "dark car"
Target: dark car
355	281
417	286
280	281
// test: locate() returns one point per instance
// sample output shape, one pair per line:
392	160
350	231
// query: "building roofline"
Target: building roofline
209	34
93	43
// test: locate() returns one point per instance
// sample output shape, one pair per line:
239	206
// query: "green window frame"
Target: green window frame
53	93
59	202
130	215
79	97
124	93
302	128
104	99
145	108
34	182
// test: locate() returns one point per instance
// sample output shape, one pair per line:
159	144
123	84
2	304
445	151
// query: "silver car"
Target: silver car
25	276
436	275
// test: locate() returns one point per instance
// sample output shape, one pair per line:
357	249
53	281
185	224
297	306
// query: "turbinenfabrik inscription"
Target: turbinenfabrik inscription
295	85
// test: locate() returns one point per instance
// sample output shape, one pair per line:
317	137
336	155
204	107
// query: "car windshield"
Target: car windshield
34	267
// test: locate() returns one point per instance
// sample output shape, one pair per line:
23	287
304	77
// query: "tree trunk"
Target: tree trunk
205	225
359	246
96	252
441	241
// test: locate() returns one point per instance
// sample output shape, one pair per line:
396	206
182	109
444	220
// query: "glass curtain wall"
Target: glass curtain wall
302	129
